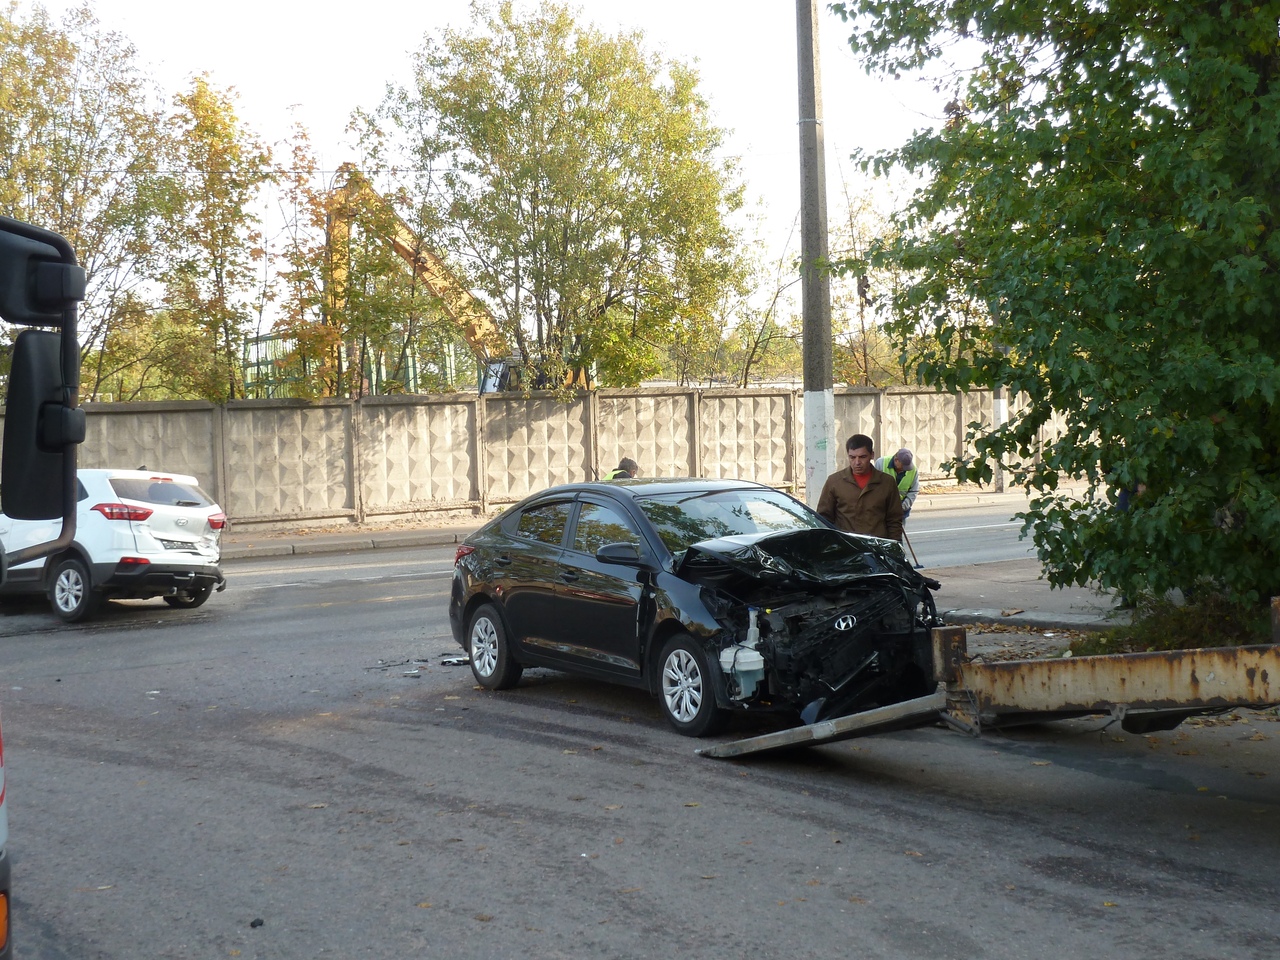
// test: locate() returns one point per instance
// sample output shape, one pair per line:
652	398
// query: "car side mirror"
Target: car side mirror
625	554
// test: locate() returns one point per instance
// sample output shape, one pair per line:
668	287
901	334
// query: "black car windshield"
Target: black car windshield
686	518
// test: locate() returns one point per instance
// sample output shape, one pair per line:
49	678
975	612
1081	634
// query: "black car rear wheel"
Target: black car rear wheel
491	661
686	693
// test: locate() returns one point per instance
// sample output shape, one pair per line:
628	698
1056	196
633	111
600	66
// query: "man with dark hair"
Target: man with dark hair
861	499
627	469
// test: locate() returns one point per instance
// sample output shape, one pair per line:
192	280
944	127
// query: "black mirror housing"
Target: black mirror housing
38	428
37	284
40	285
626	554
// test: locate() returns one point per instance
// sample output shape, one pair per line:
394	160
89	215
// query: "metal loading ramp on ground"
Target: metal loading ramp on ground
898	716
1144	691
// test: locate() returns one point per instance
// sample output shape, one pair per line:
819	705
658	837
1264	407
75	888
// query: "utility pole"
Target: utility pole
820	443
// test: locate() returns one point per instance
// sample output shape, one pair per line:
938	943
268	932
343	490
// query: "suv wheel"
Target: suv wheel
71	592
190	599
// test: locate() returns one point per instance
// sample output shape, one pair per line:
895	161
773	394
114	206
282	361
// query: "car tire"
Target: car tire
191	599
492	663
685	688
71	592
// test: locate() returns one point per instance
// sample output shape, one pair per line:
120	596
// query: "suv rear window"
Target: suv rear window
165	492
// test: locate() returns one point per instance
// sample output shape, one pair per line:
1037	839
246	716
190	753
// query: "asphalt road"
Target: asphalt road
961	536
291	771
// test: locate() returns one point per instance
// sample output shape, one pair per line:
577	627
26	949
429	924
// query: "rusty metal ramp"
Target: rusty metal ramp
898	716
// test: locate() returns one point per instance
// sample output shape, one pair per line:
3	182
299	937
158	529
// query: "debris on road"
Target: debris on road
415	665
1003	641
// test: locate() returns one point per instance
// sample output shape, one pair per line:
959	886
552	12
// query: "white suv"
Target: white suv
139	534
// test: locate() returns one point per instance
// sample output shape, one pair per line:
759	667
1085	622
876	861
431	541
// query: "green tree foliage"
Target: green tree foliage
355	316
862	352
214	273
82	152
763	346
312	360
761	339
1097	229
572	178
750	336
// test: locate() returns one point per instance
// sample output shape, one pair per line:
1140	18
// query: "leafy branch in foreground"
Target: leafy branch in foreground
1096	230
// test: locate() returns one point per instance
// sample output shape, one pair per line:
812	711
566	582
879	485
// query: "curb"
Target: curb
268	548
943	501
1053	621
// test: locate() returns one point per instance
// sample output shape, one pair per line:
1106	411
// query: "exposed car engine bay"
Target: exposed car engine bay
821	619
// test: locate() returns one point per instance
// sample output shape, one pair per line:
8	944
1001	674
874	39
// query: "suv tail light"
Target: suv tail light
122	511
464	549
217	521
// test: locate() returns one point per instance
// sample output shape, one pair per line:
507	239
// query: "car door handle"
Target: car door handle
568	576
502	561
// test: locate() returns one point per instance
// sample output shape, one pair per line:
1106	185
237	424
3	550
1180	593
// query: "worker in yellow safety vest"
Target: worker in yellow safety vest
902	466
627	469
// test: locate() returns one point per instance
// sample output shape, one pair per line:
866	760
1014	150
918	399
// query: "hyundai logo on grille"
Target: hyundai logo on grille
847	622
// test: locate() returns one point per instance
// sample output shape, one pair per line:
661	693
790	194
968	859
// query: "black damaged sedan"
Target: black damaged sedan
715	595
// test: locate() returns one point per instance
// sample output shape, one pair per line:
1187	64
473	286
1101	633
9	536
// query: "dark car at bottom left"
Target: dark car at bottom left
717	596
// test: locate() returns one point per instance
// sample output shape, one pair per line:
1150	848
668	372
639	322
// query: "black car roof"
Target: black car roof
650	486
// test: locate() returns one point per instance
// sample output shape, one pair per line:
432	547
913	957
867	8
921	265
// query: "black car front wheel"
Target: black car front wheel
70	591
686	693
491	661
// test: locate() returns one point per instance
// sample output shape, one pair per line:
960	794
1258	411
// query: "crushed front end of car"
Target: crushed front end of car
820	621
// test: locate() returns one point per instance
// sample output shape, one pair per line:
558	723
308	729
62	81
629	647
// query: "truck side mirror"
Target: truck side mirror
40	285
39	427
36	285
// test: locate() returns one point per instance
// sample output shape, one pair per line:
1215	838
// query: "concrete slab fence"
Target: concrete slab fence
281	462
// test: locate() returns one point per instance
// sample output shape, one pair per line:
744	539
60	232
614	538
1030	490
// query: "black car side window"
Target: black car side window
599	524
544	523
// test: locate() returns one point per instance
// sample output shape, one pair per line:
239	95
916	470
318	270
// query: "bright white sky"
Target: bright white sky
315	62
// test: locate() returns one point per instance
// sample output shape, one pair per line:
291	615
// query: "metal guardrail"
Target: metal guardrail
1143	691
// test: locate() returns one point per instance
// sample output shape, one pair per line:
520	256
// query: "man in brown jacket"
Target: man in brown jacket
860	498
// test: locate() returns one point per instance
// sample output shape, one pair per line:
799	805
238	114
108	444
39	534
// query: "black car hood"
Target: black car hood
821	555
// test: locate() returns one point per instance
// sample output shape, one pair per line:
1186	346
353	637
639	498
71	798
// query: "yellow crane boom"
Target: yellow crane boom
353	193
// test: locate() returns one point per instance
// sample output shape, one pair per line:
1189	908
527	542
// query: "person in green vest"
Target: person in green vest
902	466
627	469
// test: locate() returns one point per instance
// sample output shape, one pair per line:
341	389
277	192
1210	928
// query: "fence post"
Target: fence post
695	438
218	443
794	471
592	466
878	438
355	450
479	463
